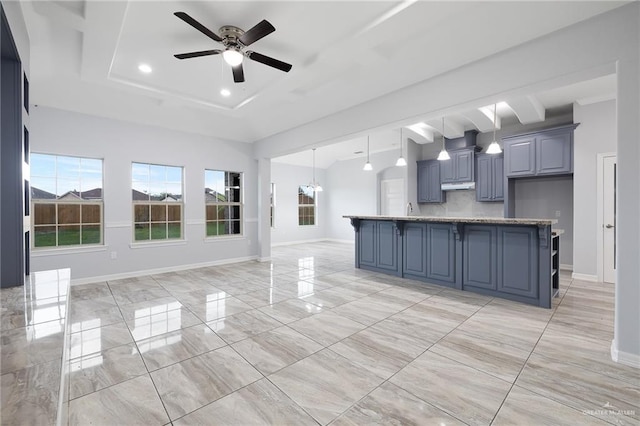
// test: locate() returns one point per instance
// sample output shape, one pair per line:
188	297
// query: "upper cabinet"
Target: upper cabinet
460	168
490	177
429	182
548	152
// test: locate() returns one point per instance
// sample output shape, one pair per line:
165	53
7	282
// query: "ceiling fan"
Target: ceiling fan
234	41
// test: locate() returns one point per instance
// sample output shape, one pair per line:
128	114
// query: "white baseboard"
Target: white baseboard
626	358
264	259
132	274
291	243
337	240
565	267
584	277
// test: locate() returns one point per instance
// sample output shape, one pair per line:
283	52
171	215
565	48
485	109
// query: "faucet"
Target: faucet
409	209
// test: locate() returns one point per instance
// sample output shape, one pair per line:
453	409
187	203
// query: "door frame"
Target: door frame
600	212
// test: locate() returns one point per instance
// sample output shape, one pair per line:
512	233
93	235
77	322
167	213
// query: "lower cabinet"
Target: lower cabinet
503	259
479	255
378	245
509	261
429	252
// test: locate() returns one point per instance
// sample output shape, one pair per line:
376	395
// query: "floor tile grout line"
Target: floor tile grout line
524	365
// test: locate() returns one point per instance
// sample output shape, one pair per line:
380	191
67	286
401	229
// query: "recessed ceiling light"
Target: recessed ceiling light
225	92
144	68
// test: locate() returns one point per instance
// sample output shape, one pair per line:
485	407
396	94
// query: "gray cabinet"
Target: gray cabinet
490	177
460	168
429	182
479	256
429	252
546	152
378	245
518	250
501	259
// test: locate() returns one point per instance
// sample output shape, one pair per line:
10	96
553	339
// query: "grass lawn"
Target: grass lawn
66	237
158	231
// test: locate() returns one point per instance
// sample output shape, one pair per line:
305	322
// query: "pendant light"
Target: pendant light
367	166
315	185
494	147
444	155
401	161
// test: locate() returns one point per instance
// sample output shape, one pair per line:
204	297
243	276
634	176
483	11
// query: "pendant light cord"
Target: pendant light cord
495	108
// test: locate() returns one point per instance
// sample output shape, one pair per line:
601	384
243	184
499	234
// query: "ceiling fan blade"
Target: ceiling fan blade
197	54
258	57
198	26
238	74
262	29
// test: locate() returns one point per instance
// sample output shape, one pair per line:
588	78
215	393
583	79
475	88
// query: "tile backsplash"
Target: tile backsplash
463	204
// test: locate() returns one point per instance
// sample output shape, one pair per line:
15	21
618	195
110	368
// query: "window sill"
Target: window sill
160	243
41	252
208	240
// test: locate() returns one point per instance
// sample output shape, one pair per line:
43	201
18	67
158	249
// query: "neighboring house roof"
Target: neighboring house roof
141	196
91	194
211	196
39	194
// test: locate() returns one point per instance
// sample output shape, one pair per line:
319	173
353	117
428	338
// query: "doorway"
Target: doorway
392	197
607	172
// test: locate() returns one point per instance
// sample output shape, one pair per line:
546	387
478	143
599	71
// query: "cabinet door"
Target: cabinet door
367	242
484	187
553	153
435	190
463	166
520	156
423	182
517	252
447	169
440	252
480	257
386	246
415	241
498	178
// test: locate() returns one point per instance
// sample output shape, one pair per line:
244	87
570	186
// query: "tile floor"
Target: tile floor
308	339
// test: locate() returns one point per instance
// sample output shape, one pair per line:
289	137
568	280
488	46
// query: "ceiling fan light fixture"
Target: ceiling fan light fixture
233	56
145	68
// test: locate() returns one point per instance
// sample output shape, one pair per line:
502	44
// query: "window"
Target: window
66	194
223	202
157	202
306	205
272	204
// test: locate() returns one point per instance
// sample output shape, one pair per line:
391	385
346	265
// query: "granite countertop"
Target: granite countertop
488	220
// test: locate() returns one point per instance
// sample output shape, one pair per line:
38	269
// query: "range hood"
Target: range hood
458	186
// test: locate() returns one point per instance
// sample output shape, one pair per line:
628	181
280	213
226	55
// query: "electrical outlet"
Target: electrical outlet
114	255
557	213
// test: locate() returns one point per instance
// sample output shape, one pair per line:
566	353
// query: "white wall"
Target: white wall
595	134
119	144
287	179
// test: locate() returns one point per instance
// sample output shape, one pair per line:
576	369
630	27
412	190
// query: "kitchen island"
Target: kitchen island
515	259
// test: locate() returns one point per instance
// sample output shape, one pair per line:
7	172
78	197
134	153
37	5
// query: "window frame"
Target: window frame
229	204
151	203
57	202
314	205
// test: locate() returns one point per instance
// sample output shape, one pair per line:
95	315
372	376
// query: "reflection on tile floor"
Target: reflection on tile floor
308	339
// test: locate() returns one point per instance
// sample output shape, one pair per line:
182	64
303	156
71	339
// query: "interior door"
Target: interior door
392	197
609	219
